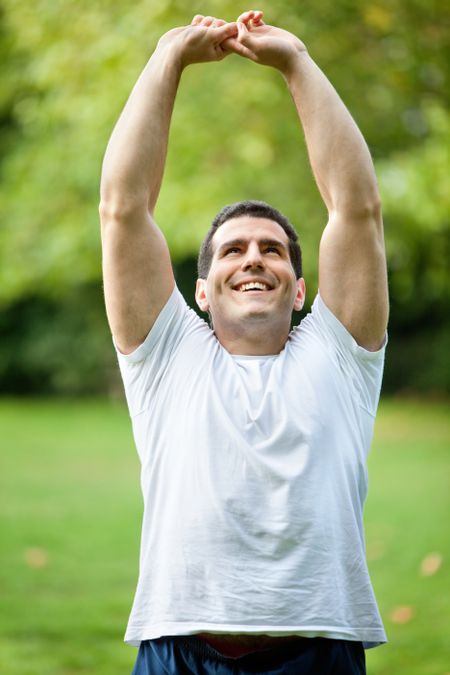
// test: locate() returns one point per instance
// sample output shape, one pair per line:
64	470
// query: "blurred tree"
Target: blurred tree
68	69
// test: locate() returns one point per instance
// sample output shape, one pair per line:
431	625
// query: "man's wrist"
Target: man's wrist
295	65
170	55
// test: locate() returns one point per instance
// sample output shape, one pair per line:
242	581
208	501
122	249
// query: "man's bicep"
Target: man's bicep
137	276
353	278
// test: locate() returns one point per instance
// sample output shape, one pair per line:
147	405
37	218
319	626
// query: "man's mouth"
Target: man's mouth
252	286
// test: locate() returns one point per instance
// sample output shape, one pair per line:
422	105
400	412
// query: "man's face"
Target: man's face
251	278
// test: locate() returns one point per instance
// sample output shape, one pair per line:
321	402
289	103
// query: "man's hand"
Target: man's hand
204	40
265	44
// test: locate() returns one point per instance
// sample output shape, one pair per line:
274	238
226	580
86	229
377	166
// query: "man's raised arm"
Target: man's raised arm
137	271
352	265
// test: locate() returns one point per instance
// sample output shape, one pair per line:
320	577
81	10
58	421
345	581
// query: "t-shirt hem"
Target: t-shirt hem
368	636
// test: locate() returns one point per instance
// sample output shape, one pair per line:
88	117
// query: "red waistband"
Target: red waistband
235	646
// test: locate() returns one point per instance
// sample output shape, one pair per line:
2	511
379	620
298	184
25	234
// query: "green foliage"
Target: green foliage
51	346
68	69
416	197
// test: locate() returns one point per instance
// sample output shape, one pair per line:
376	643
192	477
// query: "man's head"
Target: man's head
256	209
250	278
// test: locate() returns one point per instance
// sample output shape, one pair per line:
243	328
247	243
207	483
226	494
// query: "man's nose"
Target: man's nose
253	257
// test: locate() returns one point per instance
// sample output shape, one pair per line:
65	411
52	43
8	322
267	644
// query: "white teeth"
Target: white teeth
253	286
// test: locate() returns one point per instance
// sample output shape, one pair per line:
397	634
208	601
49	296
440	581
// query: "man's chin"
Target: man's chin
256	314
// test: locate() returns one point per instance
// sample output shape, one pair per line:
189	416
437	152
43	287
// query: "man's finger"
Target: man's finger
197	19
226	31
253	15
257	15
243	32
207	21
246	16
233	45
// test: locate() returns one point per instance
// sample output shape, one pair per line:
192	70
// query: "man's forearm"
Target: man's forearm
340	158
134	162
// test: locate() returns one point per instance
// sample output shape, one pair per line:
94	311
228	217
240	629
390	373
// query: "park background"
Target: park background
70	503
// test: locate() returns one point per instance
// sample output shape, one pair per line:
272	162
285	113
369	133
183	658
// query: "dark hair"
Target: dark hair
257	209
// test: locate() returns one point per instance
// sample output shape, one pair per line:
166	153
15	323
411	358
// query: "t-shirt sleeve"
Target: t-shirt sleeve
362	369
143	370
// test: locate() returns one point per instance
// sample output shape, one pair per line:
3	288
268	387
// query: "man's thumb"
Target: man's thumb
243	32
227	31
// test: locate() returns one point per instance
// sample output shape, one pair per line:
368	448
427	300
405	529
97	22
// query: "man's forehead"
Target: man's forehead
247	228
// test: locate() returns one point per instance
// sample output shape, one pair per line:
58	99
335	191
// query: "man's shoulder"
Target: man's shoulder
176	323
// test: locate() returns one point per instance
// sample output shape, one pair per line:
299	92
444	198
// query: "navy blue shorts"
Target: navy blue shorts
189	655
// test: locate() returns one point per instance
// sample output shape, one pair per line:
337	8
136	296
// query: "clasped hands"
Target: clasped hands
211	39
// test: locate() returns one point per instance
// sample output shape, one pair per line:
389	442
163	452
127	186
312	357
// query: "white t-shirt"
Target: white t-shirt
254	478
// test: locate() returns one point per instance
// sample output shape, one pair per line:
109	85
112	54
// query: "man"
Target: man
253	439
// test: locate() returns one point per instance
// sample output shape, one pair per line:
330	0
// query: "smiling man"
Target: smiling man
250	286
253	438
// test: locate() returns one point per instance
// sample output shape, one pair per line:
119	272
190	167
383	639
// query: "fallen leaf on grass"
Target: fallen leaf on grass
376	549
37	558
430	564
402	614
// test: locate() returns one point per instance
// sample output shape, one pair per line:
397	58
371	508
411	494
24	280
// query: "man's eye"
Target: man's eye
233	249
272	249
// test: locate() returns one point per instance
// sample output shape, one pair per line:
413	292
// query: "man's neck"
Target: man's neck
255	340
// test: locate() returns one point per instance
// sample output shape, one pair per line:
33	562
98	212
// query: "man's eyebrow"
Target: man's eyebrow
273	242
243	242
231	243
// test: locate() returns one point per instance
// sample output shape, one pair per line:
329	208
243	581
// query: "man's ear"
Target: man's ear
200	295
301	293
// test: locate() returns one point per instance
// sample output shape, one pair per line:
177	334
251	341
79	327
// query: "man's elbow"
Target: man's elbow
366	211
120	210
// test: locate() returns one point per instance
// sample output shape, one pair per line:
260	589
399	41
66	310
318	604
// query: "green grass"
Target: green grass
70	511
